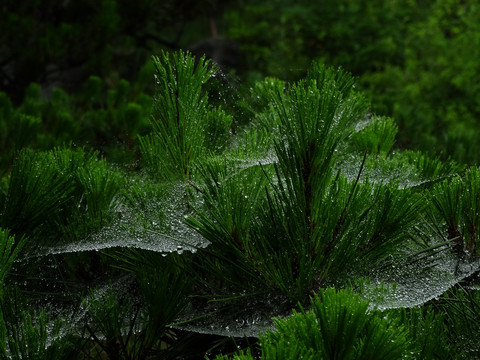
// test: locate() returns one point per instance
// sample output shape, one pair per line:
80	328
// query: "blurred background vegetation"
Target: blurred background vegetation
80	72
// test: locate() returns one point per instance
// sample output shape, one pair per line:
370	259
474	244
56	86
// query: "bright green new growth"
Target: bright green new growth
340	325
184	125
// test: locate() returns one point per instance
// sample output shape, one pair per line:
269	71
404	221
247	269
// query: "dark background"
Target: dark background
417	61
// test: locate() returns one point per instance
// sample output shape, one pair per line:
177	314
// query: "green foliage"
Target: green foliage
237	356
97	188
433	93
9	250
369	34
231	200
313	117
3	334
38	122
35	192
102	121
428	331
294	226
456	203
416	60
113	115
164	284
100	186
109	38
183	124
217	130
248	219
123	327
377	137
339	326
59	195
462	309
432	167
294	187
17	130
145	199
111	324
35	336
